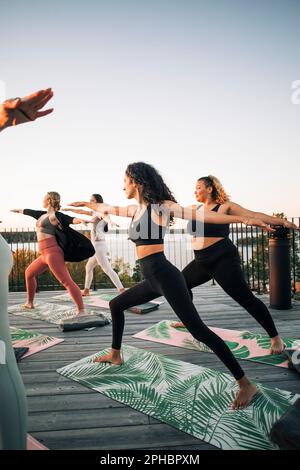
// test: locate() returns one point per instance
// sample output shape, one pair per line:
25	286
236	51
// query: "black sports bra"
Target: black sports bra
200	229
146	232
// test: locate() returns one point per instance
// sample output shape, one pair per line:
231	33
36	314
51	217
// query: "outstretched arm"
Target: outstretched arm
110	221
236	209
77	221
77	211
20	110
207	216
18	211
105	209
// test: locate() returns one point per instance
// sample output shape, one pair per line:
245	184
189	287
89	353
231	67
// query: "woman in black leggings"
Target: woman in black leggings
217	257
156	206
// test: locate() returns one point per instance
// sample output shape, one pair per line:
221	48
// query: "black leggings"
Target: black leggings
221	261
163	278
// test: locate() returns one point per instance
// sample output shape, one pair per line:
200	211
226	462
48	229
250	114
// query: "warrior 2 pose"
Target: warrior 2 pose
217	257
51	255
156	205
99	226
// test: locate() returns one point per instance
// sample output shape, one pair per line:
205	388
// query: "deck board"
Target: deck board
66	415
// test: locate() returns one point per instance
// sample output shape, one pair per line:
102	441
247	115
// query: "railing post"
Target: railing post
280	268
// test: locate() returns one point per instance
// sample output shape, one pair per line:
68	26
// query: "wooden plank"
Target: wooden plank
66	415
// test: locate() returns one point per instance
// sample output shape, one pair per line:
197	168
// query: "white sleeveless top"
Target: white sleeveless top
97	228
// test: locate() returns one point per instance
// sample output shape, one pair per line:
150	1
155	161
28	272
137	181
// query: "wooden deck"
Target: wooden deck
66	415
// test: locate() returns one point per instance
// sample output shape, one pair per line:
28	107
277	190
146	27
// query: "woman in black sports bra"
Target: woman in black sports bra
149	222
217	257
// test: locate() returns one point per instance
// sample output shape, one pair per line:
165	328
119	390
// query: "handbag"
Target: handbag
75	245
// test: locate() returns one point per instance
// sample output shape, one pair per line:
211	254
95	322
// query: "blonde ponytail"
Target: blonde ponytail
54	200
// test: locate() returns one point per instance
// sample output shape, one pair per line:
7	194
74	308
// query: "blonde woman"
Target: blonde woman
217	257
99	225
51	255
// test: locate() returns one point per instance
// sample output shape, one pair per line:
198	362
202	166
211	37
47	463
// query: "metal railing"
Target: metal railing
251	242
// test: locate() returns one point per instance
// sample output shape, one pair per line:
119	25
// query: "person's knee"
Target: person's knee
106	271
29	273
116	305
248	300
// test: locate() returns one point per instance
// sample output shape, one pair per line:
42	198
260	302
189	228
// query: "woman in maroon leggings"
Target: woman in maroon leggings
51	255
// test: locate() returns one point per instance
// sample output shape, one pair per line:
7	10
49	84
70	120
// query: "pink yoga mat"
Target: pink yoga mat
33	444
243	344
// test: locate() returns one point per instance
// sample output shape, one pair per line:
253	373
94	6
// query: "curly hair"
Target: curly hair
54	200
153	188
218	192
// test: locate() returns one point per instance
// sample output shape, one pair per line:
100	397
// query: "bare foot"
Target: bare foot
246	393
29	305
112	358
177	324
277	345
85	292
82	312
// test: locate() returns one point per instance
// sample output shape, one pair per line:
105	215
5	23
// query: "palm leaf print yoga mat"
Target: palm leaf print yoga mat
33	340
52	313
102	301
191	398
243	344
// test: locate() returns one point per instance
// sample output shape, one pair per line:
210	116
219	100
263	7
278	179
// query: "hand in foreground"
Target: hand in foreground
20	110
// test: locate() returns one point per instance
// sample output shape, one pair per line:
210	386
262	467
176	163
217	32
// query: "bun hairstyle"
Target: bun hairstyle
218	192
98	197
54	200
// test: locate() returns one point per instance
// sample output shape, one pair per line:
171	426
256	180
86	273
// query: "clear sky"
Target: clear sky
192	87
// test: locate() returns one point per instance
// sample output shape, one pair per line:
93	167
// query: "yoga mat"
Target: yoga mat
191	398
33	444
102	301
52	313
33	340
243	344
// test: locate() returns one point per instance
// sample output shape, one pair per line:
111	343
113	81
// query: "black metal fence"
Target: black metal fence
251	242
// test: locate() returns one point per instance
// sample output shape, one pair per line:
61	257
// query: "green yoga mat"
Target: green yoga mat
52	313
243	344
191	398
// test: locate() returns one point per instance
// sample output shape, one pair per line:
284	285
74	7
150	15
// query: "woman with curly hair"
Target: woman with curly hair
51	255
150	218
217	257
